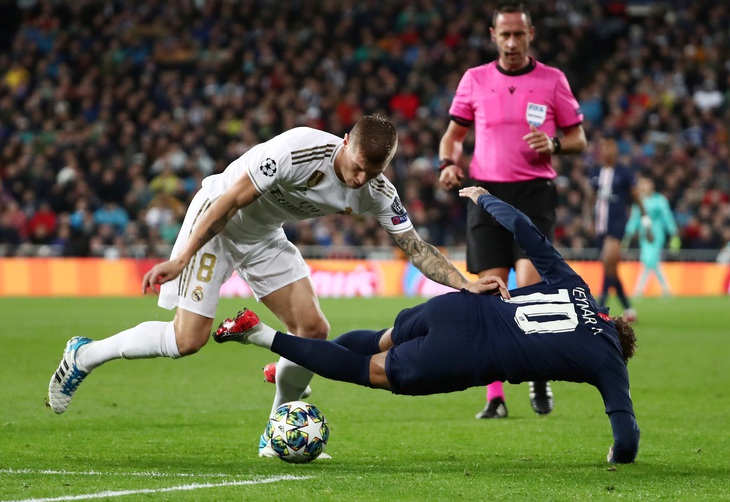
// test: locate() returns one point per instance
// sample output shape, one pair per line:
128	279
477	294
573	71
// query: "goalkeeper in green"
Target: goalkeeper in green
662	226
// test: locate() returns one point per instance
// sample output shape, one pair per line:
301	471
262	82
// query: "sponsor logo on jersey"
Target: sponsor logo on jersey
397	220
304	207
268	167
197	294
315	179
397	206
536	114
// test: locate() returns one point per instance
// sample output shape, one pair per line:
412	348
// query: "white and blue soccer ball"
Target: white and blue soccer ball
297	432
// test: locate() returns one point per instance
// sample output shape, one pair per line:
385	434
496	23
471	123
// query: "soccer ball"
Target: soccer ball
297	432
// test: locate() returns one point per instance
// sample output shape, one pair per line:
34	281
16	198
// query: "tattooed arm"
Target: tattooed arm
434	265
214	219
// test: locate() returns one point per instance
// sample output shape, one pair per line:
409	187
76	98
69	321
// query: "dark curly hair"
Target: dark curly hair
626	336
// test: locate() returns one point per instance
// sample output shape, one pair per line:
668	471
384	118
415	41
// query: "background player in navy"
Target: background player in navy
615	192
552	330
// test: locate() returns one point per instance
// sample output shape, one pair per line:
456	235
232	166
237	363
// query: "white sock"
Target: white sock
291	380
262	336
144	341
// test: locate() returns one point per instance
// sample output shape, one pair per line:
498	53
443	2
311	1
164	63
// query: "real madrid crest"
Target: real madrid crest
315	179
197	294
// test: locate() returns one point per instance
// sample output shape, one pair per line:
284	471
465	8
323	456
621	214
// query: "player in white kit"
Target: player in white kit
235	223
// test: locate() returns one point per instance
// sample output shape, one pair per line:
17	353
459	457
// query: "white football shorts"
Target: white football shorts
266	265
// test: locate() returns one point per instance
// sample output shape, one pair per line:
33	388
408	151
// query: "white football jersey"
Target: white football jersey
294	172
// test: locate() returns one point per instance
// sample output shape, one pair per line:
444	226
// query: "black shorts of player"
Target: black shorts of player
489	244
436	347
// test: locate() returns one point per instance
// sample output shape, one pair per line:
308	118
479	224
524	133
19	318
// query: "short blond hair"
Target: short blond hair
376	139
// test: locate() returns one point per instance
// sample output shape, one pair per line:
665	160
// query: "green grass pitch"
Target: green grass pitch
188	429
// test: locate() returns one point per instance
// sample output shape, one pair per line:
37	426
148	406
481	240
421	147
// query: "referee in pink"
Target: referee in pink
517	106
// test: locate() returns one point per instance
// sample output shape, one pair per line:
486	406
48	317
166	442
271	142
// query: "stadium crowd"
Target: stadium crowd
111	113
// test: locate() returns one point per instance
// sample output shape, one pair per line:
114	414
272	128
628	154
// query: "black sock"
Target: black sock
363	341
327	359
620	293
608	281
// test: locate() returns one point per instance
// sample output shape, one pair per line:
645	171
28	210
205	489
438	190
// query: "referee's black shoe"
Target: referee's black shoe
496	408
541	397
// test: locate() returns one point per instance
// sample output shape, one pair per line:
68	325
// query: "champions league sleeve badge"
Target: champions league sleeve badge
268	167
536	114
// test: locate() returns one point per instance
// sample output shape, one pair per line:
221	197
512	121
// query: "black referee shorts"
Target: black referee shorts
489	244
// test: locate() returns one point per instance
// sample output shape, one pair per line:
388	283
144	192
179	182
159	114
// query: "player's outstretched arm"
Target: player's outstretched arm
240	194
548	262
434	265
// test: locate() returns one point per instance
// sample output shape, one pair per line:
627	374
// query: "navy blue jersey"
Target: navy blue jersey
613	186
553	330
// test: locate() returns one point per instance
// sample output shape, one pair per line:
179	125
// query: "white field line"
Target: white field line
193	486
144	474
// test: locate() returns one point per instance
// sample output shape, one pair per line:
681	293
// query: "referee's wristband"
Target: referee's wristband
444	163
556	144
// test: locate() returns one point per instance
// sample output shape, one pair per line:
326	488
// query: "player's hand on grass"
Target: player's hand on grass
472	193
160	274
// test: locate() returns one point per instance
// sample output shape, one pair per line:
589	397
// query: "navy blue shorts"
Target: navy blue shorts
434	348
616	229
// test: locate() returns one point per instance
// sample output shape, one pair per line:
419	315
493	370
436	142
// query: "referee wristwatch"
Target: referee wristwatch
556	144
444	163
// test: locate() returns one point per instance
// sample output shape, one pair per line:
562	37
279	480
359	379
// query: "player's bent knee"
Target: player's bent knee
317	328
377	375
189	344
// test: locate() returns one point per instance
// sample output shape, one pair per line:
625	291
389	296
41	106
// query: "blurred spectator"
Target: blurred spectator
96	98
42	225
9	235
112	214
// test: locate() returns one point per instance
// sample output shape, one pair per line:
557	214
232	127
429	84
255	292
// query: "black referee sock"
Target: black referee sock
327	359
363	341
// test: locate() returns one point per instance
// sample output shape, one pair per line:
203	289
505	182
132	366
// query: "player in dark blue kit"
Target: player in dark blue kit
615	192
552	330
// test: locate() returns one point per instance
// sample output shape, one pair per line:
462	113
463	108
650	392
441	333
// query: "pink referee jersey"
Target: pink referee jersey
502	106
